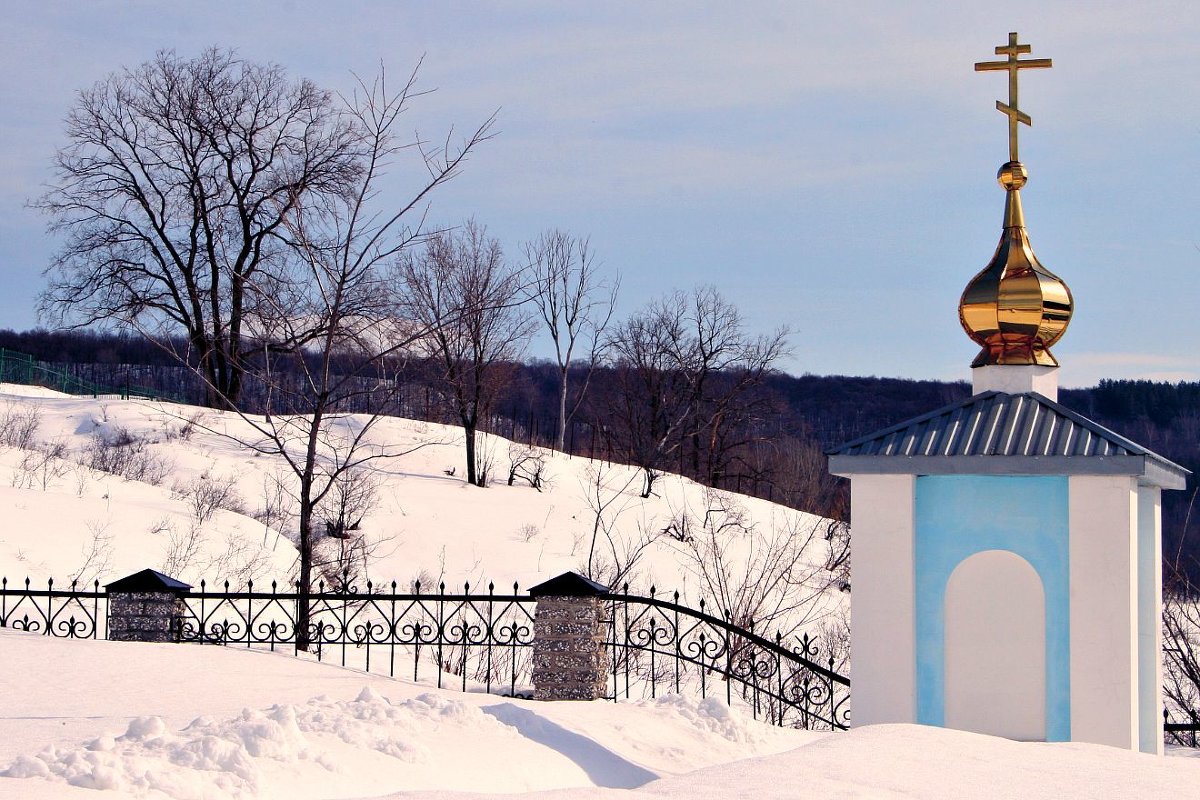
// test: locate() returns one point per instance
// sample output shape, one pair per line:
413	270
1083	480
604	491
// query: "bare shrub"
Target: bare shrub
755	575
189	425
208	494
352	496
679	528
529	532
837	557
608	498
276	512
238	561
81	476
422	581
183	547
97	554
527	464
49	461
19	425
123	454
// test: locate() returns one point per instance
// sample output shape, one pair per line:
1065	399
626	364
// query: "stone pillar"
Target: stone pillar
145	607
570	661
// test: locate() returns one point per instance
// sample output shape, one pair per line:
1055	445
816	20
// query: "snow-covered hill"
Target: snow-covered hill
197	503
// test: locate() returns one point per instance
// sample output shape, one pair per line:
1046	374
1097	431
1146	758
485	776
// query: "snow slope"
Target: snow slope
425	524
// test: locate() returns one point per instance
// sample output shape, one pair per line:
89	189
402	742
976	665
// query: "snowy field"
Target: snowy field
95	719
86	720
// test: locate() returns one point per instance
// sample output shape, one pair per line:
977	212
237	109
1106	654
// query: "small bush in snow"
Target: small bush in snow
123	454
208	494
526	464
41	466
18	425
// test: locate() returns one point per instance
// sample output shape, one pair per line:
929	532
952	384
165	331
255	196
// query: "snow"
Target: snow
203	721
22	390
97	719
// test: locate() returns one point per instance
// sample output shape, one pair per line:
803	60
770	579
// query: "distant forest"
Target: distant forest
770	444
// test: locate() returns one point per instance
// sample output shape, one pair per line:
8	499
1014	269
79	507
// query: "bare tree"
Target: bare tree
461	290
685	369
575	305
1181	648
723	363
333	321
653	401
174	185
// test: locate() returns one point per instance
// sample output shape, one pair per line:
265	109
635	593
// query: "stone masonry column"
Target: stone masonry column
144	607
570	661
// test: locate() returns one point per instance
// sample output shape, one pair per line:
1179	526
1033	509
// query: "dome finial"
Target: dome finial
1015	308
1012	65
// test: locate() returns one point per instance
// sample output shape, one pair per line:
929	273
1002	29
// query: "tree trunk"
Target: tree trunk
562	410
469	436
303	609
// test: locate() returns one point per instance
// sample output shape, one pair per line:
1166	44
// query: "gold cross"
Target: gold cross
1012	64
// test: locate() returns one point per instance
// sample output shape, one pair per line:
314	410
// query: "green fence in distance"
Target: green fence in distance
23	368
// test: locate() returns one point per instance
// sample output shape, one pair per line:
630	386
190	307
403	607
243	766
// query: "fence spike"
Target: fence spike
393	587
442	587
274	588
515	588
466	587
249	585
491	588
677	597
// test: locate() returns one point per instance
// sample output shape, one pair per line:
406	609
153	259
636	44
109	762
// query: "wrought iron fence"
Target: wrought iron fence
478	639
485	639
1182	733
659	643
474	638
74	612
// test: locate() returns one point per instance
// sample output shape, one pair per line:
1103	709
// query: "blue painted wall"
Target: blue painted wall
961	515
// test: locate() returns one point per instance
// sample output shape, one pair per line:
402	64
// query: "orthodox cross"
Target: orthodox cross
1012	65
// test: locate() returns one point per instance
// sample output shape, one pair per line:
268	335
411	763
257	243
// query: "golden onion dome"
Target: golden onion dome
1015	308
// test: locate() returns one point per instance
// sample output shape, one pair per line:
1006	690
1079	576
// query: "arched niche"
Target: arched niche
995	647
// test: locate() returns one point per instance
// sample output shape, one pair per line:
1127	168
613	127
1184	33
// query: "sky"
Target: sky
827	166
